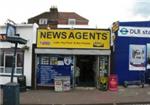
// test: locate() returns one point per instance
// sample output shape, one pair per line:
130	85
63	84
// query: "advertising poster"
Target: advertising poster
137	57
47	73
148	56
52	66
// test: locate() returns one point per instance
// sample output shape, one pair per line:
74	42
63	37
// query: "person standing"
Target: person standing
77	75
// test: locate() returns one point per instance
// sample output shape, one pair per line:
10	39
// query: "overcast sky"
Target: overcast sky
100	13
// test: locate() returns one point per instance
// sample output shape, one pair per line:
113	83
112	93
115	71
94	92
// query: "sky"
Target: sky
100	13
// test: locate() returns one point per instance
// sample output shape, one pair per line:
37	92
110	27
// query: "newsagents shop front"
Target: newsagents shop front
59	51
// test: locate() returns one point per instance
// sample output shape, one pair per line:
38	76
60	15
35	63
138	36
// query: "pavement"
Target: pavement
86	96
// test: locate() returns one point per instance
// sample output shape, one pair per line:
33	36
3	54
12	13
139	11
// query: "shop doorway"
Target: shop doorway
87	67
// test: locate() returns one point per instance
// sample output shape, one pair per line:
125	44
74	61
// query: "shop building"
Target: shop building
23	64
59	51
131	51
52	52
57	55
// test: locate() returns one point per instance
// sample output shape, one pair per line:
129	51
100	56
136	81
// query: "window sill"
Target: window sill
9	75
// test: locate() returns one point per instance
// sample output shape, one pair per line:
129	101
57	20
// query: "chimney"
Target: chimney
53	17
53	9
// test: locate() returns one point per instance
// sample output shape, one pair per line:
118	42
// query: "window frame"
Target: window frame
16	67
43	21
71	21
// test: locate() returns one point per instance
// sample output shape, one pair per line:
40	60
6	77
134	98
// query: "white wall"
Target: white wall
28	32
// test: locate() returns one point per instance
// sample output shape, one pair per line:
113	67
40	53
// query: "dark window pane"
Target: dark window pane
19	71
1	70
9	61
19	60
8	69
1	58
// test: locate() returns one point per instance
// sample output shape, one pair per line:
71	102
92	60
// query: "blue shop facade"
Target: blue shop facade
131	51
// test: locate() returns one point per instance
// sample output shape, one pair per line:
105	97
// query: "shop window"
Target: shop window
19	65
37	60
19	71
1	62
1	58
148	56
7	62
1	69
8	69
53	60
19	60
45	60
104	65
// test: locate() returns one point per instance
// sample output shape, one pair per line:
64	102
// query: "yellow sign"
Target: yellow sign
59	38
115	26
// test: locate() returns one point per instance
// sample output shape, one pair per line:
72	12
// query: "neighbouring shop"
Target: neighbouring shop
60	51
131	51
23	59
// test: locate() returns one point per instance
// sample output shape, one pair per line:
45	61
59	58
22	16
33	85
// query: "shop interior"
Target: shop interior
86	63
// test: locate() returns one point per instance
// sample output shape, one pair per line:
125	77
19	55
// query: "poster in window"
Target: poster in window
67	60
47	73
53	60
148	56
137	57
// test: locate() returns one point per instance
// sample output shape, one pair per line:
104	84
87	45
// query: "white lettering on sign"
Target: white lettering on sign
127	31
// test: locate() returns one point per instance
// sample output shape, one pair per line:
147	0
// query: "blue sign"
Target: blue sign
124	31
11	30
47	73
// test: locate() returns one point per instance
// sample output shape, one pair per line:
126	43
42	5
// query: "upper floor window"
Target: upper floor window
43	21
71	21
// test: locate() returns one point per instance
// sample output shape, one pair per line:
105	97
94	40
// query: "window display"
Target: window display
103	72
51	66
137	57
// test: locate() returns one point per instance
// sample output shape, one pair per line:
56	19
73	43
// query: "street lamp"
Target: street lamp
11	32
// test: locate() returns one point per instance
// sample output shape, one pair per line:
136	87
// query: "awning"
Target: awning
73	51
